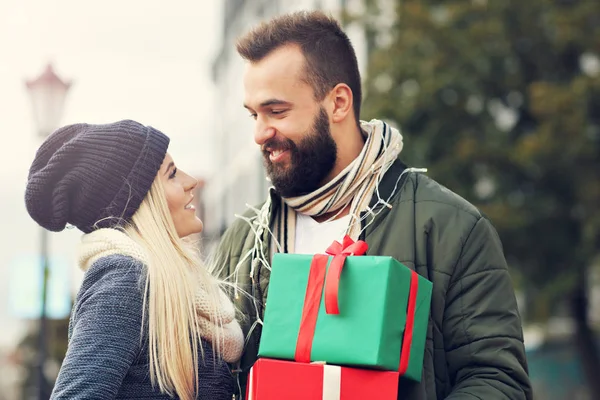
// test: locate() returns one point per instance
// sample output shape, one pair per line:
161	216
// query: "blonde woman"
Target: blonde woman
149	321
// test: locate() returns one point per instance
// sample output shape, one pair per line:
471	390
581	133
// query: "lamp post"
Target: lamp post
48	93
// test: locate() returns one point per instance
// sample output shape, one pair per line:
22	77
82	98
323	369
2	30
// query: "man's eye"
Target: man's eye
253	116
277	112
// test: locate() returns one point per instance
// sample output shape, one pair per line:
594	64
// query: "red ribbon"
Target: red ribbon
339	252
314	290
312	302
410	322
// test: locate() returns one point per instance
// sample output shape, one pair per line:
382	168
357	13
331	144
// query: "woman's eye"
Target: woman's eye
173	173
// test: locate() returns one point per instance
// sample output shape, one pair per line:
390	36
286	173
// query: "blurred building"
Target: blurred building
239	178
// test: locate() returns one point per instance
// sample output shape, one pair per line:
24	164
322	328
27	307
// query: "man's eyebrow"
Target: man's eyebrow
270	102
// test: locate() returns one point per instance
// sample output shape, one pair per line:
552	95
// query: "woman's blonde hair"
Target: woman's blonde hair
175	275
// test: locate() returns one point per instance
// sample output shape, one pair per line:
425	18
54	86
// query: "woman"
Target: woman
149	320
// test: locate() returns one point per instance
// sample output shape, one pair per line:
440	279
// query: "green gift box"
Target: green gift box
383	312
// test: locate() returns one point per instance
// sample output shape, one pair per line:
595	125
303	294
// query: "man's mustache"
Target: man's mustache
276	144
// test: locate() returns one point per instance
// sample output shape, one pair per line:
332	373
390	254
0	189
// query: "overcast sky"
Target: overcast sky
147	60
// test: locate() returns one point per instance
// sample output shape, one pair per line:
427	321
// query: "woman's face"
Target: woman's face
179	191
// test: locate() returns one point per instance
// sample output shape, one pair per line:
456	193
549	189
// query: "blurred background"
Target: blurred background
500	100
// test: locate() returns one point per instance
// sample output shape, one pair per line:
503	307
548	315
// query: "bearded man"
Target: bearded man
333	175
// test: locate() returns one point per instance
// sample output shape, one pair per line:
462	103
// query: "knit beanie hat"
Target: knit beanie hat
93	176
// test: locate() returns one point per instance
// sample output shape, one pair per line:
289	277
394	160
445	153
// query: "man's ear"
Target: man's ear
342	100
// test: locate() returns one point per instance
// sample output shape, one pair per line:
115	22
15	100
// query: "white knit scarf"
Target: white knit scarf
105	242
355	185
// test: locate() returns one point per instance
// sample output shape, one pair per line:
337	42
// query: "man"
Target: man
334	174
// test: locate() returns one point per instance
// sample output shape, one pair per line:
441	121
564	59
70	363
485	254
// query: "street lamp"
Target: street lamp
48	93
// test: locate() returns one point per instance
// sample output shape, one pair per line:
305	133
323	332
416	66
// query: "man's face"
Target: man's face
292	128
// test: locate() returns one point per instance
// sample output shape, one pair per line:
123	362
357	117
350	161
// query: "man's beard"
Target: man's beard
310	161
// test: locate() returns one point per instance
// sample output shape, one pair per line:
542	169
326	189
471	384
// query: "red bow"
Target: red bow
332	284
314	289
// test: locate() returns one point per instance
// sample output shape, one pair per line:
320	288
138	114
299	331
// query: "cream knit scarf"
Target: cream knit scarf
105	242
355	185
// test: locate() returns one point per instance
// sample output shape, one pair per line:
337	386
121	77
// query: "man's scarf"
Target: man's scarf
355	185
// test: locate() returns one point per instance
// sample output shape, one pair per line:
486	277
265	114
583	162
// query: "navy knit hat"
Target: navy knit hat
93	176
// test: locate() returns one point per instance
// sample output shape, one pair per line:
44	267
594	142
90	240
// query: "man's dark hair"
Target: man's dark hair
330	57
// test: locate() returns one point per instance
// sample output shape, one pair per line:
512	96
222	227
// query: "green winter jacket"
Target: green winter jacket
474	346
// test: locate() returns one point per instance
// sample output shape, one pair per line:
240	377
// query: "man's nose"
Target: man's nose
263	132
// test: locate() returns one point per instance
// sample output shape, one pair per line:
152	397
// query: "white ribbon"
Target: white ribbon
332	382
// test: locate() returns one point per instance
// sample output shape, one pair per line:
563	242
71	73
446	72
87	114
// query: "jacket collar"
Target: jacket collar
388	182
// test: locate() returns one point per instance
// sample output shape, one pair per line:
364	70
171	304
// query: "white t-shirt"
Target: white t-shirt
313	237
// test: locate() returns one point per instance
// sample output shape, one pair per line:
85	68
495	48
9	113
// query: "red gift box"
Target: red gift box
276	380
